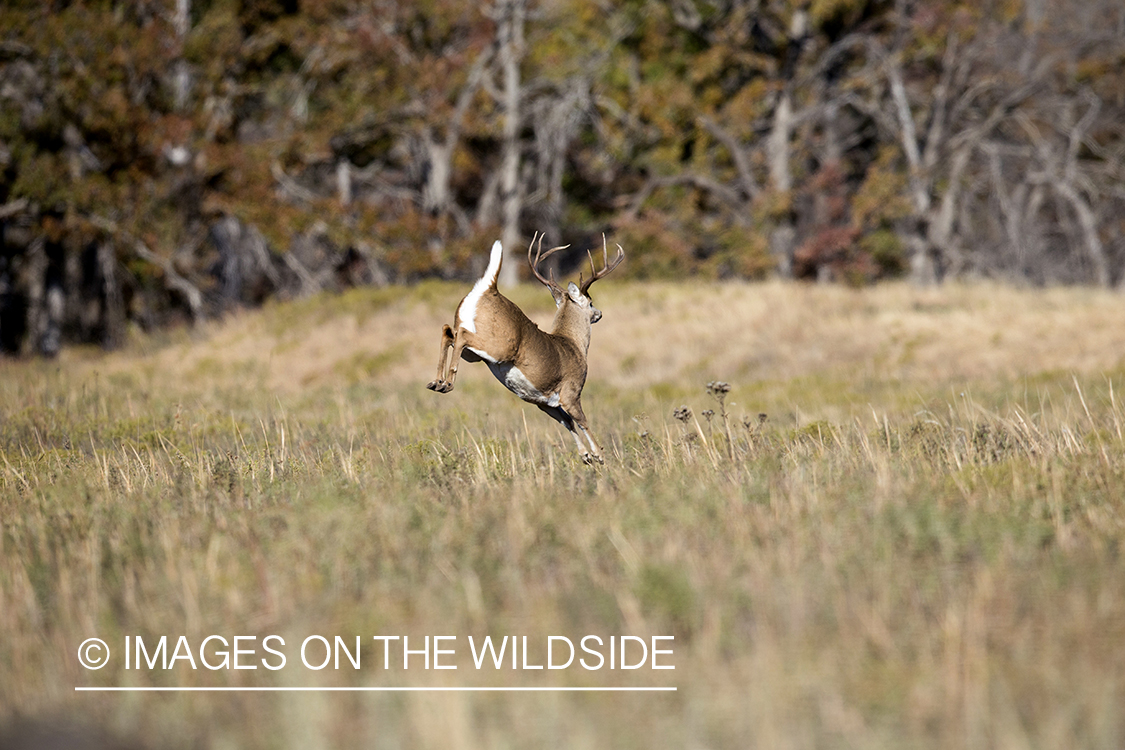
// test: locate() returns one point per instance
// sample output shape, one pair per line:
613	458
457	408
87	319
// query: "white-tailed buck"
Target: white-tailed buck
545	369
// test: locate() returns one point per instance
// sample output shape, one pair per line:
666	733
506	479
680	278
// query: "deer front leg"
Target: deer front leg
564	419
438	384
573	407
595	449
589	449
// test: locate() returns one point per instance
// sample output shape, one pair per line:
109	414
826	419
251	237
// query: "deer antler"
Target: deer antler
540	256
584	285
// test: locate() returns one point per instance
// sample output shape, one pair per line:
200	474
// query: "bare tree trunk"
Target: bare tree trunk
1088	222
784	234
436	195
53	309
833	151
940	226
490	196
113	306
556	121
344	181
777	147
181	75
35	273
923	264
512	14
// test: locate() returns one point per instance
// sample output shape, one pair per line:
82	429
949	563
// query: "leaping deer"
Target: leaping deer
545	369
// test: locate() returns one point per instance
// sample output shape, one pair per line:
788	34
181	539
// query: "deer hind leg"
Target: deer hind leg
573	407
456	352
461	339
438	384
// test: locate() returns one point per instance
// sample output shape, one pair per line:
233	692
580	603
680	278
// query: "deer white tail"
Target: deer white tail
468	309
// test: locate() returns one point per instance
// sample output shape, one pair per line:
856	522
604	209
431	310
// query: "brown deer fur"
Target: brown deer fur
545	369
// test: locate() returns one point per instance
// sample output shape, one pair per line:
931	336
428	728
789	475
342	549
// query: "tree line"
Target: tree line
165	160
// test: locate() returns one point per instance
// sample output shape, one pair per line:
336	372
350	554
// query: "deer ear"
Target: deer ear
574	292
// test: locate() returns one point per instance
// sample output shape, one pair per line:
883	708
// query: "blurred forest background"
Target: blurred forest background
165	160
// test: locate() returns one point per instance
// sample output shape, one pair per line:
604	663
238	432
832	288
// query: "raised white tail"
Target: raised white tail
468	307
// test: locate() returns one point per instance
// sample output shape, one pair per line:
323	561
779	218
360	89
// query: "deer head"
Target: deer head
576	295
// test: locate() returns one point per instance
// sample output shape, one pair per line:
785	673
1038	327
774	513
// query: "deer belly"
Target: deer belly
516	382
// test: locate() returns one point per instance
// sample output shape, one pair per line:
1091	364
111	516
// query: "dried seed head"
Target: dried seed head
683	414
718	388
749	424
708	413
640	419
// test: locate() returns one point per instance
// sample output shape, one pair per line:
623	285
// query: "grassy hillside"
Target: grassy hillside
918	545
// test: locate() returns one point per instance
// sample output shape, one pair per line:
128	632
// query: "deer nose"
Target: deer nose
595	315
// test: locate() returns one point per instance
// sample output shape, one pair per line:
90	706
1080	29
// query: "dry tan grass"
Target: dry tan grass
898	565
663	333
777	330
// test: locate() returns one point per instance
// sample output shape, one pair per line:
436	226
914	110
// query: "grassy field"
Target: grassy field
902	527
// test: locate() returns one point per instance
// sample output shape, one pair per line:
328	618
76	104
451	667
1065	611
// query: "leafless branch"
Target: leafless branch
289	185
700	182
11	208
172	278
738	154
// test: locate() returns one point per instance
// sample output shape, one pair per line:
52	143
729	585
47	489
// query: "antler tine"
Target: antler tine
607	266
540	256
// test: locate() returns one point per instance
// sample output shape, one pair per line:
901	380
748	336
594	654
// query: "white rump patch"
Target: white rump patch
467	312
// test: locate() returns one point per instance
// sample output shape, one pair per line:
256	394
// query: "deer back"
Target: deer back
504	335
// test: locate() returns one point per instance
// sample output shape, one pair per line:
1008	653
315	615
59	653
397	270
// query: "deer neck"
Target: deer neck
573	324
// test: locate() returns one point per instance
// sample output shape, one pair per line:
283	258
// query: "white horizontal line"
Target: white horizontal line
372	689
